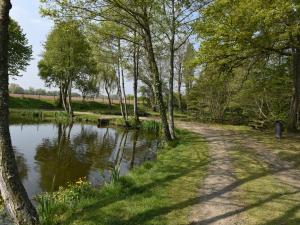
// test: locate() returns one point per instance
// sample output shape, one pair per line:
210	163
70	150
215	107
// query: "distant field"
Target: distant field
99	106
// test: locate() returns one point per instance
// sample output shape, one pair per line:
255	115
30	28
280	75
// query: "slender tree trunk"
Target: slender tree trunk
108	96
179	87
171	77
136	55
171	91
70	99
124	95
153	99
12	190
119	91
64	97
157	80
59	104
294	109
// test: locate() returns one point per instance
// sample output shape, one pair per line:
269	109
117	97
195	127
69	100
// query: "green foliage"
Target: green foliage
253	44
67	59
19	50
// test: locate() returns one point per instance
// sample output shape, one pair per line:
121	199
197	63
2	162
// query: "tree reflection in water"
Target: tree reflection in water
89	152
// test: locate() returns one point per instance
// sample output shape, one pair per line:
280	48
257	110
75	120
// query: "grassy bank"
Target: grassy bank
160	192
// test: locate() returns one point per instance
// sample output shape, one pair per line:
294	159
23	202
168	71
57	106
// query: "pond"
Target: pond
53	155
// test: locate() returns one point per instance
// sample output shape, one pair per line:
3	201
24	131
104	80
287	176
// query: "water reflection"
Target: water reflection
52	155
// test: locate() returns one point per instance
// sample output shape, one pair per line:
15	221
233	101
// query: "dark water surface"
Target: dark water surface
53	155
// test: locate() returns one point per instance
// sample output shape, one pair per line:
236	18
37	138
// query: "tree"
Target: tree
12	190
242	32
16	89
19	51
177	17
188	67
66	60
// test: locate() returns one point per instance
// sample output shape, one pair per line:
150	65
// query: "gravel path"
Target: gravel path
217	204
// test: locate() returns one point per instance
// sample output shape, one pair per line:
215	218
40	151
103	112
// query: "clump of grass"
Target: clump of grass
150	125
115	174
47	206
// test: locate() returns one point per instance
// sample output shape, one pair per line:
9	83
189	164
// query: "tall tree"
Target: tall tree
12	190
67	60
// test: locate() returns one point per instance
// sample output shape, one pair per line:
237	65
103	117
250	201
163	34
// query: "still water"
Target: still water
53	155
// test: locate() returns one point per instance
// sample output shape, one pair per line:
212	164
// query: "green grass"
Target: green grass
157	193
30	103
266	200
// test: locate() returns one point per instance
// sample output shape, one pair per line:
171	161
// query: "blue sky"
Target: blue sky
26	13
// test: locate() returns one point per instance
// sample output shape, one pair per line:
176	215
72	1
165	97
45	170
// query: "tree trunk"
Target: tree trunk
60	98
64	97
171	77
294	109
171	92
157	80
153	99
12	190
124	96
119	91
108	96
135	81
179	87
70	100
